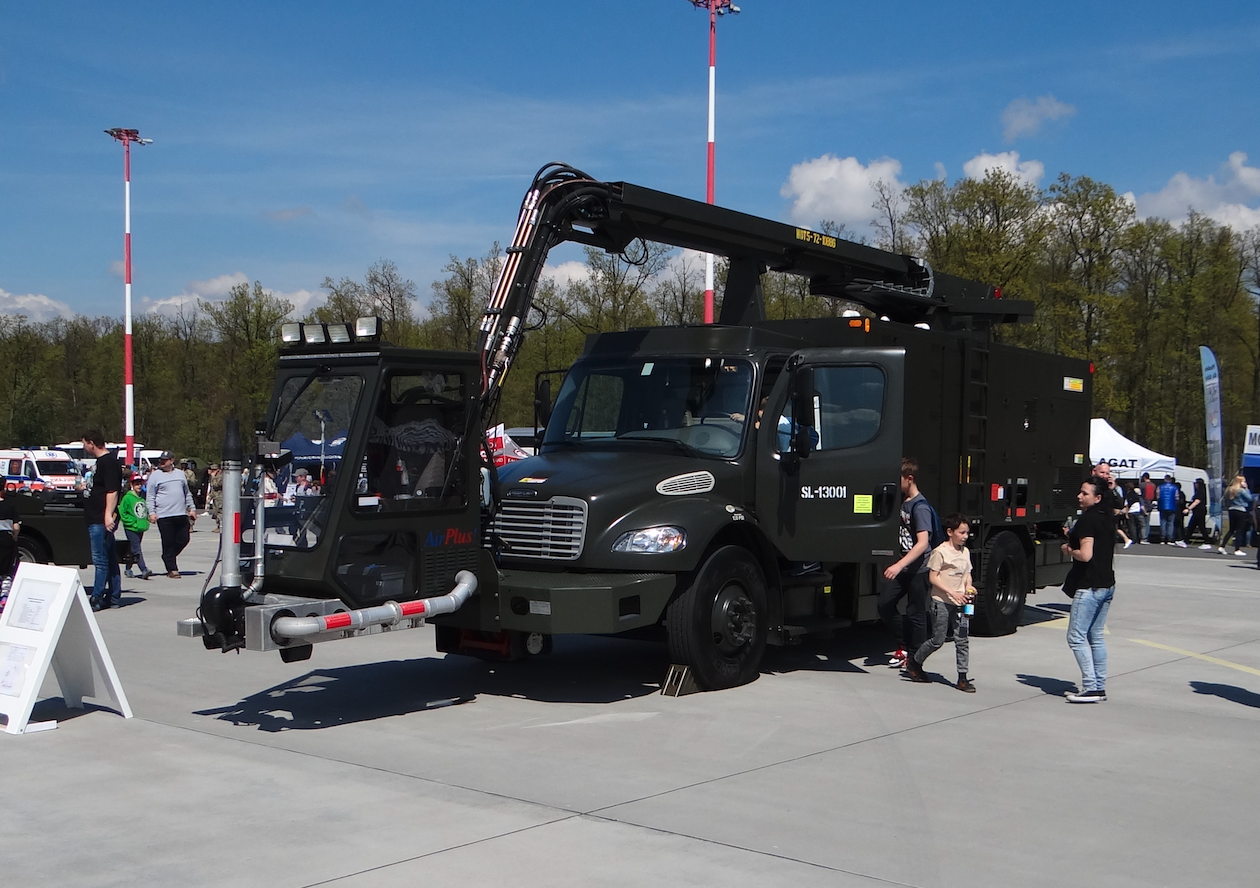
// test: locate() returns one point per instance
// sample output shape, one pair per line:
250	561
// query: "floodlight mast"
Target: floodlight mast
715	8
127	136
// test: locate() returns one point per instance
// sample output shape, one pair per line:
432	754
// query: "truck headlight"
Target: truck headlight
652	540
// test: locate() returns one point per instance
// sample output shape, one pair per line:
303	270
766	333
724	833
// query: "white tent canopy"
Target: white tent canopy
1128	459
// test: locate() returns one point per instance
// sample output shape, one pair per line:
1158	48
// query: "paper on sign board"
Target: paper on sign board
14	658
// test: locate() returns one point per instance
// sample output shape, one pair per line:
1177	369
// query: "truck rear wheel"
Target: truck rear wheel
1000	602
718	626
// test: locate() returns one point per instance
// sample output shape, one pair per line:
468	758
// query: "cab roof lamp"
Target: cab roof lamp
367	328
339	333
290	333
314	334
1091	368
997	292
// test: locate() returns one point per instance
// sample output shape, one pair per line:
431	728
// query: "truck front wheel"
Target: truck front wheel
718	626
1000	601
31	551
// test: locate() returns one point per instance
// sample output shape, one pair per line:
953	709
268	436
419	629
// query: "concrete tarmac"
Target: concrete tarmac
830	769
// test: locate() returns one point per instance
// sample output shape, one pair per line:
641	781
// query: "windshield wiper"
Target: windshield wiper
631	436
306	383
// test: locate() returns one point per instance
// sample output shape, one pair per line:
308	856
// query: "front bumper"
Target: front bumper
582	603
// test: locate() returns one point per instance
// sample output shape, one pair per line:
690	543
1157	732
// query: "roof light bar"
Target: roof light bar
290	332
367	328
314	334
339	333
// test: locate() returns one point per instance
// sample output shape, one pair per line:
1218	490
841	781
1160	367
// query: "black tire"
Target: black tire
31	551
718	626
1000	598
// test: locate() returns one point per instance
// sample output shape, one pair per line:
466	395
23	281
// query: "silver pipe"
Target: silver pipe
230	526
390	613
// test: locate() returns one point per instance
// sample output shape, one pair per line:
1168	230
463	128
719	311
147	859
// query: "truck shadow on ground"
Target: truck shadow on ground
1232	693
579	670
869	644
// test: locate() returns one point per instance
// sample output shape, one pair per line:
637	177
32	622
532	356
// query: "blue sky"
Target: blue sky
295	141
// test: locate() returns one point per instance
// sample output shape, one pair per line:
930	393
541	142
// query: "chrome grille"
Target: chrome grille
554	529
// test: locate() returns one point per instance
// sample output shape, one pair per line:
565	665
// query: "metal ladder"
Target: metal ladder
975	425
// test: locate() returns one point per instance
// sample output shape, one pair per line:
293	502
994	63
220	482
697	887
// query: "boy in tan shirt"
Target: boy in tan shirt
949	573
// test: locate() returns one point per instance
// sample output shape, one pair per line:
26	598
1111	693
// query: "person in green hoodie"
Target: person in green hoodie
134	512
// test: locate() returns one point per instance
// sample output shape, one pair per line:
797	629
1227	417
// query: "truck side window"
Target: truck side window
413	444
850	403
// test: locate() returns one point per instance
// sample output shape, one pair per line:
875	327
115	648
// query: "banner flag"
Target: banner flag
1212	415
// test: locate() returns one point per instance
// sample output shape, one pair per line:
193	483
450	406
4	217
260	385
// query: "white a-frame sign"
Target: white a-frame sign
48	622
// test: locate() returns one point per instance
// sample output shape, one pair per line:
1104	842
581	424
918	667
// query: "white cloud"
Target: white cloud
840	189
1029	172
35	306
940	171
567	272
212	290
1024	116
1230	199
303	300
216	290
118	268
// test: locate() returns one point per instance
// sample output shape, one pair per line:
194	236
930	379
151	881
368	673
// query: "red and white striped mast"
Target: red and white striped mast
127	136
715	8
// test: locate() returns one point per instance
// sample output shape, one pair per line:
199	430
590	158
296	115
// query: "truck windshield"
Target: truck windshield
697	404
56	467
313	427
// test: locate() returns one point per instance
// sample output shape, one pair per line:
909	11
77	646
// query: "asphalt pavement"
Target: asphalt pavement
830	769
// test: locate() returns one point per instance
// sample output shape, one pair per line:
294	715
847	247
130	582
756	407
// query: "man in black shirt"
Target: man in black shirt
102	520
1092	584
1114	498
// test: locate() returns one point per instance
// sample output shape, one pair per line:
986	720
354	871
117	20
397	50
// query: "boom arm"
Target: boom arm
566	204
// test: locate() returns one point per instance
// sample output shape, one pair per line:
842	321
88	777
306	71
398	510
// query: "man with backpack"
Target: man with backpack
907	577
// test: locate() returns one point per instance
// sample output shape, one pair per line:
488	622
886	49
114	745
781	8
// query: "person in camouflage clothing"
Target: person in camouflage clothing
215	498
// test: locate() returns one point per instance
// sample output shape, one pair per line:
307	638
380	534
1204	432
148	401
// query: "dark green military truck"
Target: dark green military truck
725	486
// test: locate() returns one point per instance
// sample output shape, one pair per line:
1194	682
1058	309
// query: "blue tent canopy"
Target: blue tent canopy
305	450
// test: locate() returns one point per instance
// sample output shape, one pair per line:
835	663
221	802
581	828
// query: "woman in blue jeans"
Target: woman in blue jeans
1092	584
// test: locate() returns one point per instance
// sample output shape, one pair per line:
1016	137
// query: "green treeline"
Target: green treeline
1136	297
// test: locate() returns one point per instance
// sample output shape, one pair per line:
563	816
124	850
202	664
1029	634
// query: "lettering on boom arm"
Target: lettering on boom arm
813	237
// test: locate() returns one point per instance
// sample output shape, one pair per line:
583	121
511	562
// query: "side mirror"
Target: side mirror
542	402
803	412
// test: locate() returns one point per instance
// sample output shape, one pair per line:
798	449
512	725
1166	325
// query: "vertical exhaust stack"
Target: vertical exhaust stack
222	607
230	517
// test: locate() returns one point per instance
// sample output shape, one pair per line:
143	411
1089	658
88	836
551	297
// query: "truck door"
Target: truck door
840	500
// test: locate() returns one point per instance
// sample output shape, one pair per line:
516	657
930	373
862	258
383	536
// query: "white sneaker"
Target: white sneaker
1087	697
1236	551
1206	547
1222	551
1181	544
1128	543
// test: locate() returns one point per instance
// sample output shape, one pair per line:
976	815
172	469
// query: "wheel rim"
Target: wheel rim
26	555
1004	594
734	621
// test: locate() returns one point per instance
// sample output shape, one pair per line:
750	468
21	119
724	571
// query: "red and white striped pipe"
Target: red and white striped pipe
708	188
389	613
